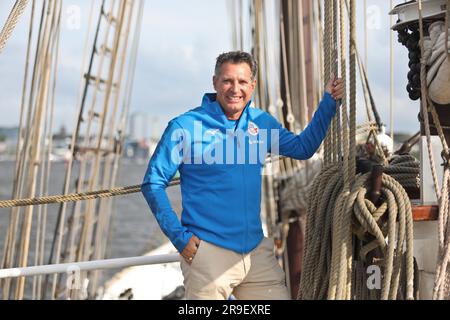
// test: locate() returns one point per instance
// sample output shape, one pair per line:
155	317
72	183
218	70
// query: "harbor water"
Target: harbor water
134	229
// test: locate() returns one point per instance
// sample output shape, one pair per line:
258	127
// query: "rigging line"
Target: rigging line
257	26
271	61
231	17
276	60
46	116
106	104
367	102
115	67
303	91
39	116
335	58
21	128
291	62
103	214
268	56
366	39
441	279
46	179
345	138
447	18
328	39
11	22
76	212
372	101
424	104
365	77
352	139
90	216
29	148
242	19
58	232
62	208
321	57
126	106
391	95
86	81
23	159
286	73
289	117
312	55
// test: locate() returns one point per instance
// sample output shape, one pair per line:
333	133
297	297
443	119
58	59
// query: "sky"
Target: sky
179	43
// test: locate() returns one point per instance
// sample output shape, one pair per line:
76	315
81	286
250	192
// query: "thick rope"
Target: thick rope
345	134
85	195
352	134
11	22
424	101
328	8
337	119
75	196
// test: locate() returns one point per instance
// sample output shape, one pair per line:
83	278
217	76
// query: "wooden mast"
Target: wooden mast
299	42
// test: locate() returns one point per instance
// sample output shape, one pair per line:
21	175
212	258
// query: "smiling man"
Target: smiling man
220	236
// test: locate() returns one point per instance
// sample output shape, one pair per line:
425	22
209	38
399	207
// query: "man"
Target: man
213	147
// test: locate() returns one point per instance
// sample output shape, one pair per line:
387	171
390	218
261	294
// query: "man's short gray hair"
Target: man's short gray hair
236	57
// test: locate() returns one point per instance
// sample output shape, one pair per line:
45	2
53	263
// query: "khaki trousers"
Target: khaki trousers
216	273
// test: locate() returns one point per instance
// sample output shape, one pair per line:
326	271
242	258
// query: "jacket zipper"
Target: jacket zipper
244	192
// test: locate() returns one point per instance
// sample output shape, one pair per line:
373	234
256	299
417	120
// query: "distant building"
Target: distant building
140	126
8	140
9	133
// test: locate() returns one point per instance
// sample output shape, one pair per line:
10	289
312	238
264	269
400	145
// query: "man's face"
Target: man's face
234	86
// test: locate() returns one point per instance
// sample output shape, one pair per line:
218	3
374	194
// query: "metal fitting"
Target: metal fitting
445	155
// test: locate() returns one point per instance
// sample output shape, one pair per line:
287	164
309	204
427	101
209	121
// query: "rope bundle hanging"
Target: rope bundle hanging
346	233
441	288
437	61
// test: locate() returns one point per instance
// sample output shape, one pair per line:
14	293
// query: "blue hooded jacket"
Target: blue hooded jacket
220	164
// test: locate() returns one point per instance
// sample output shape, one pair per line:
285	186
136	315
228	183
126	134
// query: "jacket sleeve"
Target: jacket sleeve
161	169
305	145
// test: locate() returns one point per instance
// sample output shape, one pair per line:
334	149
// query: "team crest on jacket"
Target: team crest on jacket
253	129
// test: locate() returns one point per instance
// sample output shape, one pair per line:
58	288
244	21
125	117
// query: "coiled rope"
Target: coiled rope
405	169
328	259
11	22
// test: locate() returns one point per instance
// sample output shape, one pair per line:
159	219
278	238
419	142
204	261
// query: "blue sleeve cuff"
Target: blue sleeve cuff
329	104
181	242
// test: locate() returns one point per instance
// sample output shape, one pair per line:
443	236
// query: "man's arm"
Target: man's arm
162	167
304	145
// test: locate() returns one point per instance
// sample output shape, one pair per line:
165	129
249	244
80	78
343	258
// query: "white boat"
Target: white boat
153	282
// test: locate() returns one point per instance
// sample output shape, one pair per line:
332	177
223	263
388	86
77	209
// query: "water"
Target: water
134	228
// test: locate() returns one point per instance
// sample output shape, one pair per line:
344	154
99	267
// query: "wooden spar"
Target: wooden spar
375	184
303	99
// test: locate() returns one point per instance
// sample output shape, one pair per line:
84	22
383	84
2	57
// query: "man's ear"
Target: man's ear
254	83
214	79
